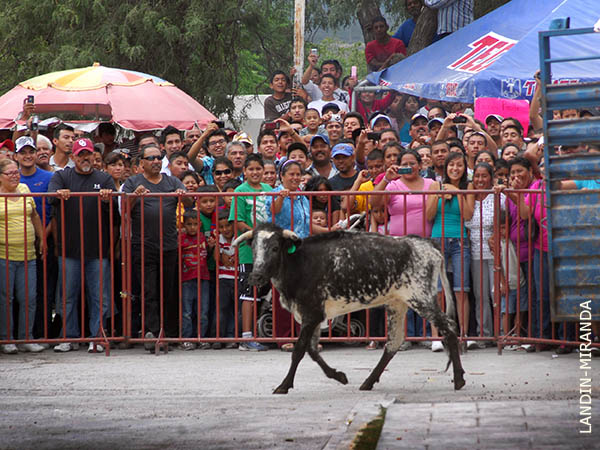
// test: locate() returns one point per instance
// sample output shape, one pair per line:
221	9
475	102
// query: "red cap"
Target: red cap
82	144
8	144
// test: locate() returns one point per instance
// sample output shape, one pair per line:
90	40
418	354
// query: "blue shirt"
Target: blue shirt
587	184
284	217
38	182
208	162
405	31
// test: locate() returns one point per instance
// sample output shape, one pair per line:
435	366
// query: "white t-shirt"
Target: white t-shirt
318	105
315	93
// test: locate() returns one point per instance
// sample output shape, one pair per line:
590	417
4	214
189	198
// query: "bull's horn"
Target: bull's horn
290	235
242	237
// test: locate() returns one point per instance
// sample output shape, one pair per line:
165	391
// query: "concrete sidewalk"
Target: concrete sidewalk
222	400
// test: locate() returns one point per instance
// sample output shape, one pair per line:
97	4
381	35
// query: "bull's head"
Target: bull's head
269	245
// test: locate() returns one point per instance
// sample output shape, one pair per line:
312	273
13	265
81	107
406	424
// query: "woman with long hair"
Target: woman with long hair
448	213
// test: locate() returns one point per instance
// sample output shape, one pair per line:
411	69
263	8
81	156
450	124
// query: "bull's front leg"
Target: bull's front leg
314	354
300	349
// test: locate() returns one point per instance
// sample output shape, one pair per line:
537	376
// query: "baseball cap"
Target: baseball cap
243	137
418	116
342	149
331	105
319	136
24	141
378	117
82	144
498	117
435	120
8	144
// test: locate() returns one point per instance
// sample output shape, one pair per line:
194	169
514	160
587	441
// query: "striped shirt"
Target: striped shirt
452	14
227	272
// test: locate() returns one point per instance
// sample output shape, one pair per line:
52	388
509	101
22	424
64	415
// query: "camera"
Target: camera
30	99
314	51
404	170
459	119
271	126
373	136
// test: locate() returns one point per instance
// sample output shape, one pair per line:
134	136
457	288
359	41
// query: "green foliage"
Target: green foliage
347	54
212	49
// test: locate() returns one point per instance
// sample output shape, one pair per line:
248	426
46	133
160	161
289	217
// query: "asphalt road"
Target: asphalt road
221	399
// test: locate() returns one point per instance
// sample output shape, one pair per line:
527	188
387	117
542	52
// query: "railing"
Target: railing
130	306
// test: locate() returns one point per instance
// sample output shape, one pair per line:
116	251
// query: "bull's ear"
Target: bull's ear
292	244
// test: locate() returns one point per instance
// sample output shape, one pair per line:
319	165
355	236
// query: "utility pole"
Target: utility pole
299	8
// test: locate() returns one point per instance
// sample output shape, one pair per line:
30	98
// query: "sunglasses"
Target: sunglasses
222	172
152	158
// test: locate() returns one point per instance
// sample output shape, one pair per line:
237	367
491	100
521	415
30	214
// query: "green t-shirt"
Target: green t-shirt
245	213
207	228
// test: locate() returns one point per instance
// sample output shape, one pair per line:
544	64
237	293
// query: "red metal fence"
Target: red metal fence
127	225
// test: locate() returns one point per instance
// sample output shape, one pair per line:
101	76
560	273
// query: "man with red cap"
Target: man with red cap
94	270
7	147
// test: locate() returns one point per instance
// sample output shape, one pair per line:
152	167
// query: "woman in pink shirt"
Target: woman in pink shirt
407	213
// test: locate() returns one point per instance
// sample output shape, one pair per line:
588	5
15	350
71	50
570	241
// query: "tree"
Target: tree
212	49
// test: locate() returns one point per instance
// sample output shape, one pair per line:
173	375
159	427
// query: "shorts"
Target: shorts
247	291
452	253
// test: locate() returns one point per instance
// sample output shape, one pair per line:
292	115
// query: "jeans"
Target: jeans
91	275
523	295
13	288
414	324
227	307
452	252
189	306
484	293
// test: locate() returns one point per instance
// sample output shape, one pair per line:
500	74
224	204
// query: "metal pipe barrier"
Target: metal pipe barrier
129	249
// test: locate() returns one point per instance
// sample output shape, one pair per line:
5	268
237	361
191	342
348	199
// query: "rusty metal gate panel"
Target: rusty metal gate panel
573	216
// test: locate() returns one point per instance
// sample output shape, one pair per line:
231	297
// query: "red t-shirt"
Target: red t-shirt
376	50
193	253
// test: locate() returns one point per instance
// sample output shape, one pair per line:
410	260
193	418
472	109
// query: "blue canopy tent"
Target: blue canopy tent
497	55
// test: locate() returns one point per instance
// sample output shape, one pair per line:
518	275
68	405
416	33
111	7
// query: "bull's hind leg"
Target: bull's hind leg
306	332
446	327
396	317
314	354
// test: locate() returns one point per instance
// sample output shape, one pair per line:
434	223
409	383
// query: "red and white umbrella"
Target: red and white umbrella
133	100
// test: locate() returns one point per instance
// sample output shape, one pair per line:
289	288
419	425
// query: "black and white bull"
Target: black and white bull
326	275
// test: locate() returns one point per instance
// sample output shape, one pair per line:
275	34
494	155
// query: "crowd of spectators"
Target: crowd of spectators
66	248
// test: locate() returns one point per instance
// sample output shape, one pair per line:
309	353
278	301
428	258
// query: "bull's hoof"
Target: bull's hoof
281	390
459	382
341	377
366	386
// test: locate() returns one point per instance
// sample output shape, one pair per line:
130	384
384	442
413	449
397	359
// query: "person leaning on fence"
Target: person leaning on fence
20	233
225	254
94	270
481	226
194	277
454	233
407	215
246	212
152	181
37	180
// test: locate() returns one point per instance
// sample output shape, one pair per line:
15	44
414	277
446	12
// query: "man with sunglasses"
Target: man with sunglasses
159	242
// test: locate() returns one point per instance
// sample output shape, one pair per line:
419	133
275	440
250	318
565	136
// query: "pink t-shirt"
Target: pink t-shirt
415	210
535	200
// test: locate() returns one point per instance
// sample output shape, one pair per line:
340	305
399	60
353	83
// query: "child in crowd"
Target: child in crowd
225	254
194	275
511	272
501	172
379	219
312	119
278	104
207	207
319	217
248	211
229	186
270	173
